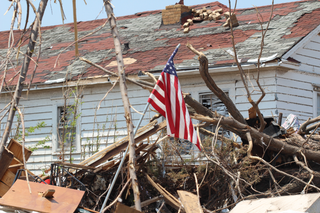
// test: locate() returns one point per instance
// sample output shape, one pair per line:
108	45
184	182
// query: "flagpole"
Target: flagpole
122	160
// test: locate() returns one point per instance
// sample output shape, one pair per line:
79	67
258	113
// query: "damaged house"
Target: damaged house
66	88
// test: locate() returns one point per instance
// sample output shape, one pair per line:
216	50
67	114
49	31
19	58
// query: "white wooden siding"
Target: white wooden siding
295	94
38	107
268	103
309	54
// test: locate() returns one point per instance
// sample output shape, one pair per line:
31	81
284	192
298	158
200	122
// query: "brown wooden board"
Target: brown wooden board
8	178
15	161
64	200
121	208
49	193
15	147
190	202
3	189
169	198
105	154
5	161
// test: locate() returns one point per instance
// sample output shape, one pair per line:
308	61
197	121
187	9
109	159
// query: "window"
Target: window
212	102
66	126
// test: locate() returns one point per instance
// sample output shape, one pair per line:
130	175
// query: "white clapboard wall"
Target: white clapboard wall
286	92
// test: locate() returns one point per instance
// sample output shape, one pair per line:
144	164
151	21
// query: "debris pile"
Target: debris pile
207	14
240	159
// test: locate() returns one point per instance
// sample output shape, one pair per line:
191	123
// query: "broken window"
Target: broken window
212	102
318	104
66	126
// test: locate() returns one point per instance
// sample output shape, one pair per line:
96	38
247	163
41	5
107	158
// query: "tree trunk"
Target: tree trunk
126	104
261	139
203	69
23	73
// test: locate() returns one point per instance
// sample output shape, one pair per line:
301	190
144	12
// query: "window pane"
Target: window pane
66	126
69	135
212	102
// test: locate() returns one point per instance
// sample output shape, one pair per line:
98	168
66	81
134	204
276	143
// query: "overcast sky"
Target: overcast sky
94	9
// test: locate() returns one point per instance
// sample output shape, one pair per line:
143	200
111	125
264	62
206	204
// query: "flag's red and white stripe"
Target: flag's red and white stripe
168	100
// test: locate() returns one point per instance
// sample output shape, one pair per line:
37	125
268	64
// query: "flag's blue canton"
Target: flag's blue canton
169	68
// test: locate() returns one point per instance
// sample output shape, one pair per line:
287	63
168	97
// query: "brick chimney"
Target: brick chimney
176	14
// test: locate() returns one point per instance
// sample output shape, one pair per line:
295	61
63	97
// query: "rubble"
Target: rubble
263	160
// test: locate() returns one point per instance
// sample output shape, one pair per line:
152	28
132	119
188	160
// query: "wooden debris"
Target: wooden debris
185	25
5	161
169	198
148	202
16	148
65	200
114	149
190	202
197	19
11	162
121	208
231	19
190	22
49	193
218	11
89	168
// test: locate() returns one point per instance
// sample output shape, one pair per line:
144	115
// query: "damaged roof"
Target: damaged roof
150	44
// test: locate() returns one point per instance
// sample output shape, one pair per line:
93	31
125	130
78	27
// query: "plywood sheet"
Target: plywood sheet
64	200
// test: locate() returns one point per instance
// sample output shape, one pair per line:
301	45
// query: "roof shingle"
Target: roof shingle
151	45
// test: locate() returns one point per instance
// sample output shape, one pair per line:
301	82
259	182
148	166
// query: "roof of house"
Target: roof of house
151	45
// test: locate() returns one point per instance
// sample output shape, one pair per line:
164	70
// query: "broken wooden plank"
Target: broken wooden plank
5	161
190	202
8	178
15	165
15	147
105	166
144	132
121	208
90	168
148	202
3	189
138	149
49	193
16	161
169	198
65	199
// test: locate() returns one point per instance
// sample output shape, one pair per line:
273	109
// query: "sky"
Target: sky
94	9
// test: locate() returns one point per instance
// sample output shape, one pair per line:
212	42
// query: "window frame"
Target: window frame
55	129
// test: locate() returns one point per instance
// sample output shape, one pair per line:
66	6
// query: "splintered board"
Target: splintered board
64	199
190	202
5	161
15	147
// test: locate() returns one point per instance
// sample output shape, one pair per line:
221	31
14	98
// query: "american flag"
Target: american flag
167	99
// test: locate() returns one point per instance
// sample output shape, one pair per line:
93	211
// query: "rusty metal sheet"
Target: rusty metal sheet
64	199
